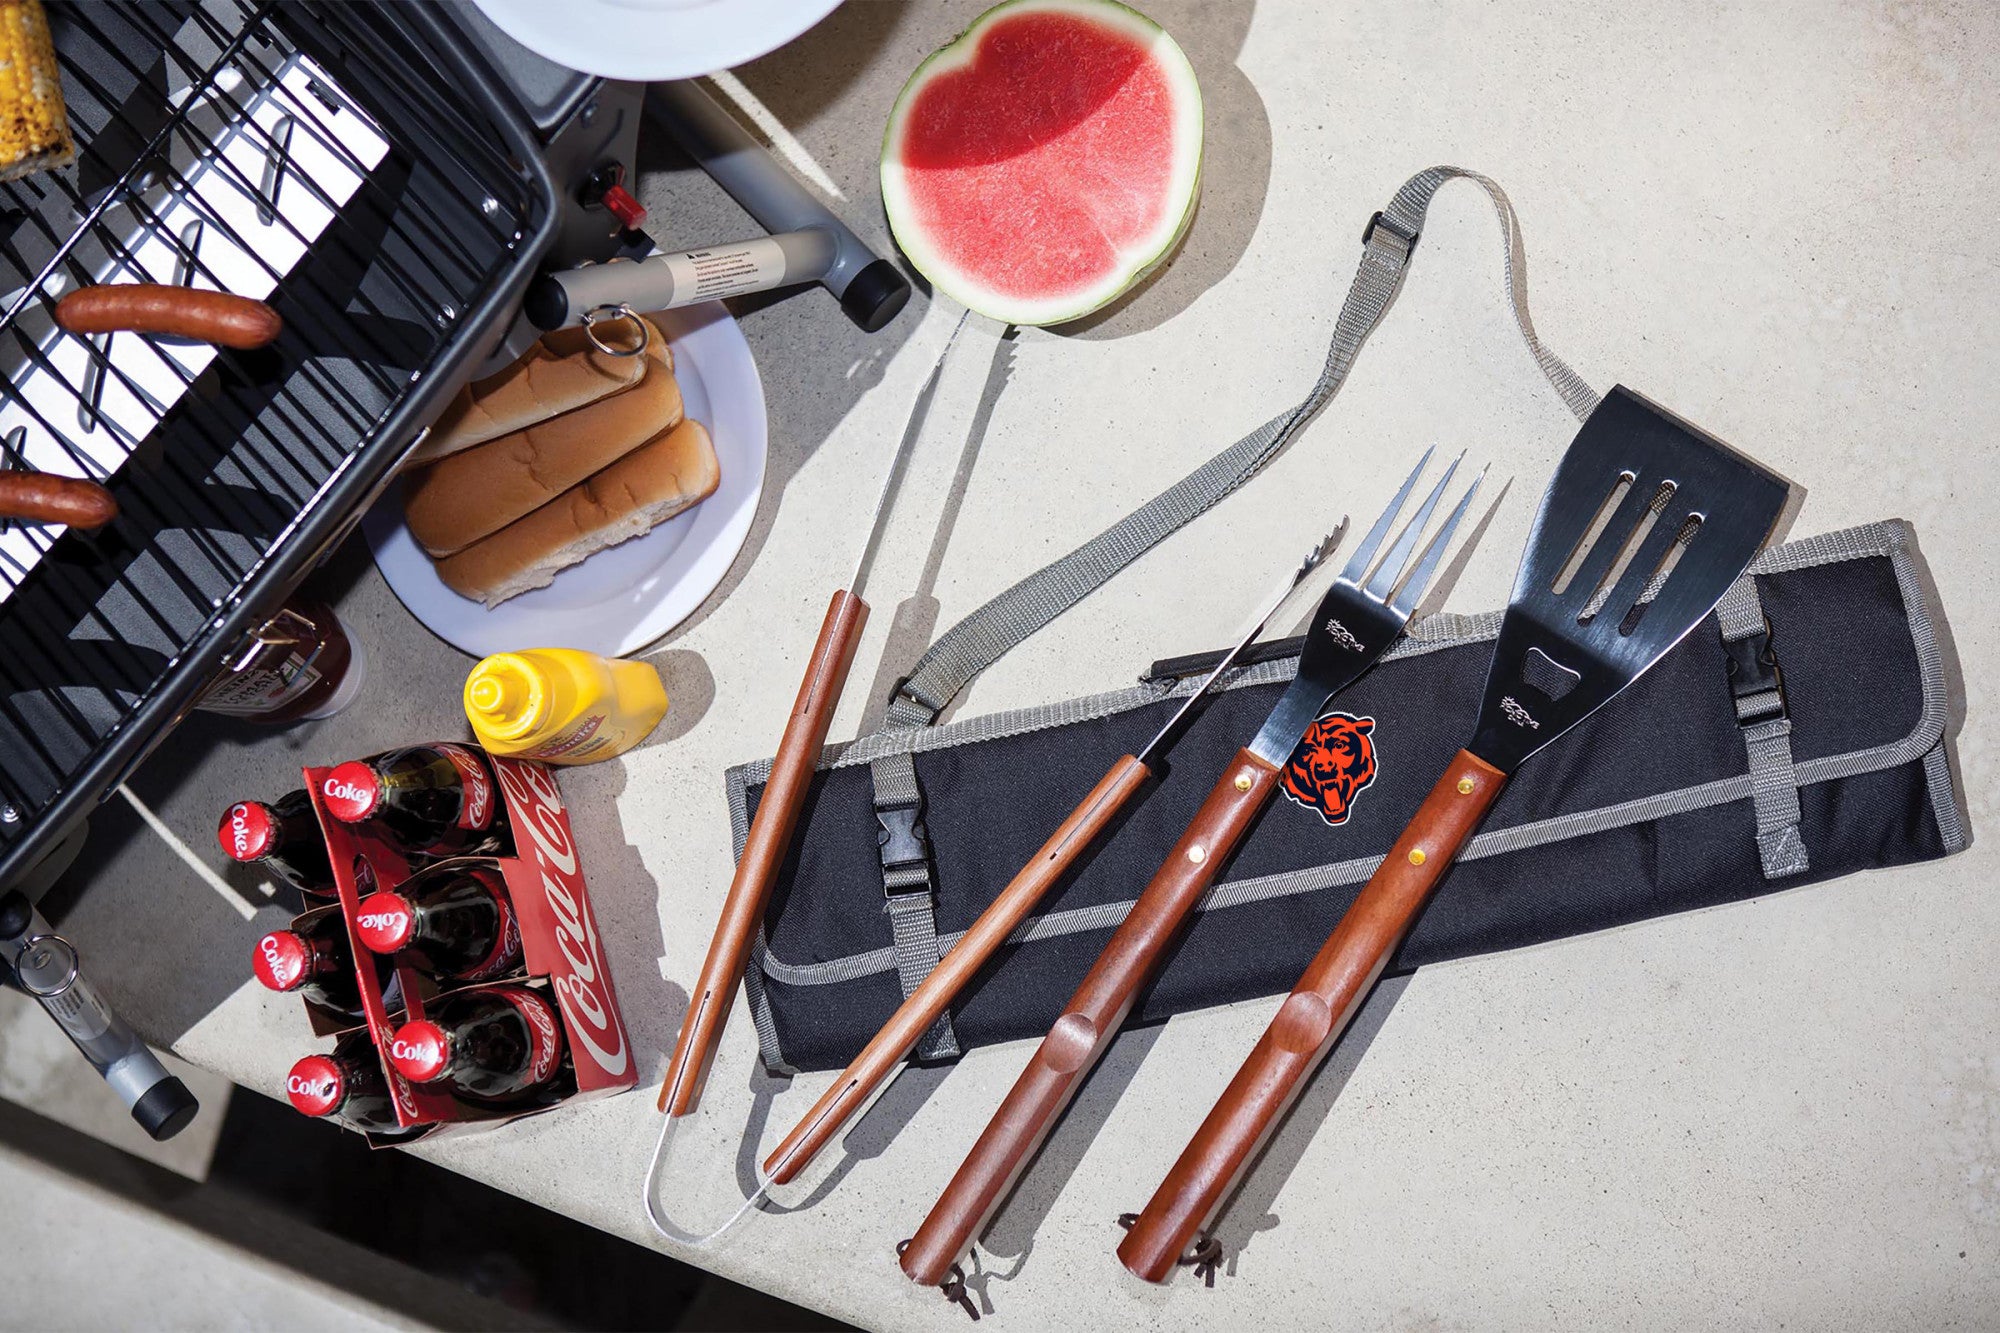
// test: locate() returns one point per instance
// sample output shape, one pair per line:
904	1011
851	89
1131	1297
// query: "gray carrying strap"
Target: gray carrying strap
993	630
987	634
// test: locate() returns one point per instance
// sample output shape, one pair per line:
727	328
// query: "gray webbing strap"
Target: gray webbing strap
993	630
984	636
907	891
1767	736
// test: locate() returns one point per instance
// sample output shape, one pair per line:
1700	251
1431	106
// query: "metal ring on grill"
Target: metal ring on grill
592	317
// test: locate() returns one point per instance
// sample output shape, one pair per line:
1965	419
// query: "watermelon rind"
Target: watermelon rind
1138	260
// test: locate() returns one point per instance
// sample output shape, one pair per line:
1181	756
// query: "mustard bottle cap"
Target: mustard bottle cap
505	696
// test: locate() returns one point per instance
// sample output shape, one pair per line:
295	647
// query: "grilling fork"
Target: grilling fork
1644	526
1360	617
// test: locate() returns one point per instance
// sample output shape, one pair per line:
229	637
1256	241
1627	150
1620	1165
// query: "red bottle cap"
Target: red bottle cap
281	960
420	1051
247	831
629	211
316	1085
385	922
351	791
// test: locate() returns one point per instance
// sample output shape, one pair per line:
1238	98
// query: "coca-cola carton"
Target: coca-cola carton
561	956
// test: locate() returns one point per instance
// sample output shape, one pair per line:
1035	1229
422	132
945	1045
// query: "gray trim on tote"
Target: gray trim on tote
1891	539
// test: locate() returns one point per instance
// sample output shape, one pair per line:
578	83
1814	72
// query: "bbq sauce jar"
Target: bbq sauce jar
297	665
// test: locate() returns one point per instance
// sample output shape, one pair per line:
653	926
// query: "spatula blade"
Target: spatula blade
1686	515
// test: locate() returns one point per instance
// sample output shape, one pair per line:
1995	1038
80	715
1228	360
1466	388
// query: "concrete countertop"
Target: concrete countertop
1776	219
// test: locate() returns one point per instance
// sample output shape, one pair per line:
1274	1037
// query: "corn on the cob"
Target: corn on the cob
34	127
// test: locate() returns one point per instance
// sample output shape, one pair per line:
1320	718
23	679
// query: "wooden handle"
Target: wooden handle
764	851
886	1050
178	312
1312	1018
1091	1019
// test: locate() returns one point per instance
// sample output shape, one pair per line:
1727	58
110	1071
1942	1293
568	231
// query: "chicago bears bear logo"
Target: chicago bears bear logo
1332	764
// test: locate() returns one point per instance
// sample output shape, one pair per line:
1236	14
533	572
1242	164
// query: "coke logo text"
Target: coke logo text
274	960
309	1087
478	810
342	791
547	1041
379	920
239	829
584	991
407	1050
406	1103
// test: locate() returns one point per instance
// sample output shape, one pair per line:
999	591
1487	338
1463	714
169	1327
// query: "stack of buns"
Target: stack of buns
567	451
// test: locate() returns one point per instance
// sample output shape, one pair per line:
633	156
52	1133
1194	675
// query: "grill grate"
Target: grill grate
338	161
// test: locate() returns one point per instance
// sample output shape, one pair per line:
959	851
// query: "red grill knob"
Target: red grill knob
629	211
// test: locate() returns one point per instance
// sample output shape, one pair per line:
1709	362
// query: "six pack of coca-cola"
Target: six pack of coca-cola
448	948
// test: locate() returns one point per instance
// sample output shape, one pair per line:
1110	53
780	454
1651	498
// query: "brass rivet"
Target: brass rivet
1243	782
1416	856
1197	854
1465	786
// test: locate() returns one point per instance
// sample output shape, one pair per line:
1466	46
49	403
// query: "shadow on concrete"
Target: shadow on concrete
625	898
436	1248
690	689
815	77
914	624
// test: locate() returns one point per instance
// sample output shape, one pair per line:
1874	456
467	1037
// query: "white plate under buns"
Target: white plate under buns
620	599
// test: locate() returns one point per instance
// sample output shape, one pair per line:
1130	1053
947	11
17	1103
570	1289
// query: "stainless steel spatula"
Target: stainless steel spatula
1643	528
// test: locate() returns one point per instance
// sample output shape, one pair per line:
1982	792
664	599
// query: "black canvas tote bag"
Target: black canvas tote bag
1798	735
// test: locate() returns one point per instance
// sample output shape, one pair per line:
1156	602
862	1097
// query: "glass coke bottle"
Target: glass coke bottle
427	800
458	925
501	1046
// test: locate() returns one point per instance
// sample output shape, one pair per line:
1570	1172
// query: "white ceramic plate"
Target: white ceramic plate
623	598
653	39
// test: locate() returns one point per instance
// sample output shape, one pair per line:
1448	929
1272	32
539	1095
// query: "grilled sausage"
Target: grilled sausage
180	312
43	497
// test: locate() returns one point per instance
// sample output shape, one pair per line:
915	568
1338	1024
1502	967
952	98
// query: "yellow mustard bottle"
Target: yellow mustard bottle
563	705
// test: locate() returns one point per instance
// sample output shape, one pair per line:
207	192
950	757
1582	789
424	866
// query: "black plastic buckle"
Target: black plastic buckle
1394	228
1753	671
902	840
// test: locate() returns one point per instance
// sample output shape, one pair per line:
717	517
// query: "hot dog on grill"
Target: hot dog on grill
180	312
43	497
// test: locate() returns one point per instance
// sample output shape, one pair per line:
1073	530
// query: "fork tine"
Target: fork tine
1364	554
1391	569
1413	588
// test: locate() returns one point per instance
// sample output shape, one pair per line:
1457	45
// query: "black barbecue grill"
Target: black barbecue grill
351	163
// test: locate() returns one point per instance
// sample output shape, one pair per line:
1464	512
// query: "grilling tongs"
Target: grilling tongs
1642	530
1360	617
770	835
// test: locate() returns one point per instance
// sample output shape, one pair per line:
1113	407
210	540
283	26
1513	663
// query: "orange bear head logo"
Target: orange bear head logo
1332	763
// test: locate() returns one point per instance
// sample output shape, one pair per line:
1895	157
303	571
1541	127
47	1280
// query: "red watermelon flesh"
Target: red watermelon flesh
1038	166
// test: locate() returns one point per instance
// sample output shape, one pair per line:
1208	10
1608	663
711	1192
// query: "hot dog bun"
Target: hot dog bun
478	491
560	373
670	472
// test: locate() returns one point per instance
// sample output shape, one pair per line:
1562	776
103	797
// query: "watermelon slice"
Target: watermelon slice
1038	166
